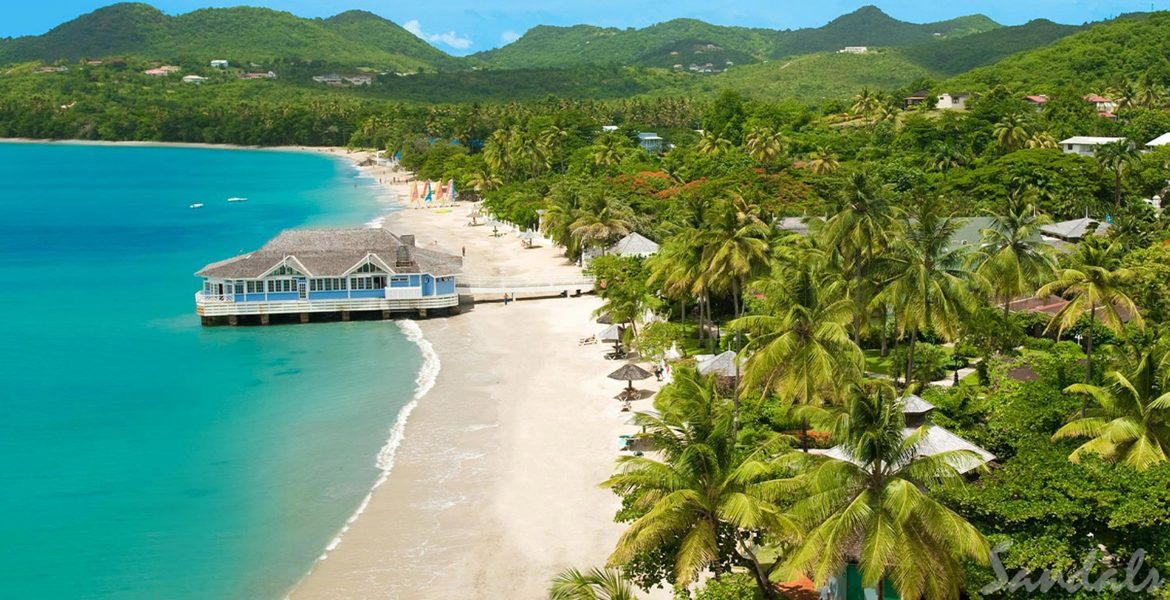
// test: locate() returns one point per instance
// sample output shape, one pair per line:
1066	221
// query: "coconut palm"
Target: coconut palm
764	144
597	584
801	351
859	230
608	151
928	282
598	227
676	270
707	499
865	103
822	161
1093	284
1012	257
876	507
1041	140
736	250
945	156
711	143
1011	133
1115	157
1131	423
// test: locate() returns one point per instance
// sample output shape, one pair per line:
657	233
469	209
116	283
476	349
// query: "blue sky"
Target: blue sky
464	26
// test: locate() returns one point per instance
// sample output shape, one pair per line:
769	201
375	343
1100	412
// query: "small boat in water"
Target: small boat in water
196	205
237	199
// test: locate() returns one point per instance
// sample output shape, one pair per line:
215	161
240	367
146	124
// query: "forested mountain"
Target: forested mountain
687	41
1107	54
958	55
238	34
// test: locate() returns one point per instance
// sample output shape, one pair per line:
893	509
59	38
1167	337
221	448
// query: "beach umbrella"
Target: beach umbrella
613	333
605	319
628	373
527	237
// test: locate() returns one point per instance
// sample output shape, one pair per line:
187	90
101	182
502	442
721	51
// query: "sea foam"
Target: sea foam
427	373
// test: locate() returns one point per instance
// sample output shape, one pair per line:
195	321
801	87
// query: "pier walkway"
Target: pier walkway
532	285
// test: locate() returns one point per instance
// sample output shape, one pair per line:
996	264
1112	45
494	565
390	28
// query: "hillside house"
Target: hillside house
1105	107
194	79
916	98
162	71
219	64
650	142
853	50
1085	145
268	75
955	101
328	79
359	79
1037	101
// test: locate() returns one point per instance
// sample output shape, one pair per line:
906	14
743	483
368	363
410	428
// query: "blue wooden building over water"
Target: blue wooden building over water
331	273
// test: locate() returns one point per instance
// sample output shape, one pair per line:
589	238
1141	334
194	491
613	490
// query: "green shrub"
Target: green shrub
739	586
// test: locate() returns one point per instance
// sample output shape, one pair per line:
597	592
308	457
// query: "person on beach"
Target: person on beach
464	251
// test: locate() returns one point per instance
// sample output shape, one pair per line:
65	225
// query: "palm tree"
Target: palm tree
946	156
822	161
929	283
1092	284
1011	133
711	143
858	230
608	151
865	103
597	584
677	272
1013	258
1041	140
1115	157
1132	423
764	144
876	506
598	227
801	351
482	180
710	497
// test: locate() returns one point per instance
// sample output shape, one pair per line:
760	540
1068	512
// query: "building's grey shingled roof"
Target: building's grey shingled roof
915	405
1075	229
632	244
331	253
936	441
721	364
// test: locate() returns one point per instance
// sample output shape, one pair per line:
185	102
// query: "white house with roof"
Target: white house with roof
193	79
853	50
1074	230
1085	145
340	271
953	101
1161	140
219	64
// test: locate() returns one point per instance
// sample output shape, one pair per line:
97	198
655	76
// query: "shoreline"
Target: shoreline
495	484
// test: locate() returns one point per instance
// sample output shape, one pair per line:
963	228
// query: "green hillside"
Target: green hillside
689	42
1106	54
954	56
812	77
239	34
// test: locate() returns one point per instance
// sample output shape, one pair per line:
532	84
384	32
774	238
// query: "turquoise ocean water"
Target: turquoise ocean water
142	456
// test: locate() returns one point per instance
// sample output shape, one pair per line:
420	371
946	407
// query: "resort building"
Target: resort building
1085	145
1075	230
335	271
634	244
219	64
1161	140
935	441
650	142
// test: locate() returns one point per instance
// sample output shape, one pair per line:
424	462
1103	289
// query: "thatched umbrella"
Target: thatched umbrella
613	334
628	373
605	319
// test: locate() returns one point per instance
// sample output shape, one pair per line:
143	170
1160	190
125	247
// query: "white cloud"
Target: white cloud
509	36
452	39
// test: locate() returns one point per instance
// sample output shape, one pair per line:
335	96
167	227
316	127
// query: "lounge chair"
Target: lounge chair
587	340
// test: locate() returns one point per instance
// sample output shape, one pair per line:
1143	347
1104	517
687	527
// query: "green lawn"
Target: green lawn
876	363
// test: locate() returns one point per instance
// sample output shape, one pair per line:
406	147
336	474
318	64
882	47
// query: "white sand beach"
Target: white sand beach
494	489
